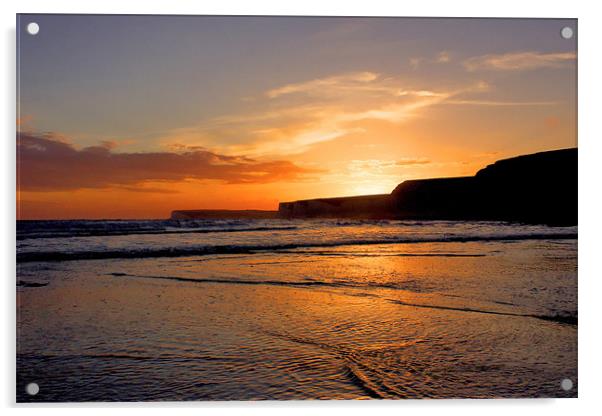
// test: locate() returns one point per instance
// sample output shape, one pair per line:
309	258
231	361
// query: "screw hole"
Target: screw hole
566	384
32	389
566	32
33	28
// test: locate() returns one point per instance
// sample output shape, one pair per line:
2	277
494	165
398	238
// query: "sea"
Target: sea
179	310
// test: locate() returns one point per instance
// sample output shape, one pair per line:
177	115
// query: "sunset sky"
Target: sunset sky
135	116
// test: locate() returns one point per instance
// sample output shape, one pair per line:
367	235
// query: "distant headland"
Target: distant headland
535	188
222	214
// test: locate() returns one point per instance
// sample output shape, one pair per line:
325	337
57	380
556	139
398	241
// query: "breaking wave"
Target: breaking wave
89	228
200	250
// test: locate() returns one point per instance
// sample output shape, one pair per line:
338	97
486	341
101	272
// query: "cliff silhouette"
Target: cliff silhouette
535	188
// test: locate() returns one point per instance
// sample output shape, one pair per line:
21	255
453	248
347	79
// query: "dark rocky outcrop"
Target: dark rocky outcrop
441	198
536	188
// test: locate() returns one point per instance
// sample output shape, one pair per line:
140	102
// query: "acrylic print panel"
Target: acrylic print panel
242	208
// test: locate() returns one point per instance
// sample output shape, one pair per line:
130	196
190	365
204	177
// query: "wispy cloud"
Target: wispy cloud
380	165
348	80
500	103
408	162
291	118
442	57
45	164
519	61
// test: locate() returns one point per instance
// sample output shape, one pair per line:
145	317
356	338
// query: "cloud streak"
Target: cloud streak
443	57
348	80
45	164
519	61
290	119
409	162
489	103
300	115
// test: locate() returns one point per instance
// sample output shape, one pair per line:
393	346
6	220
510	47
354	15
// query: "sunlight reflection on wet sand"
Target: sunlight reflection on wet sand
394	321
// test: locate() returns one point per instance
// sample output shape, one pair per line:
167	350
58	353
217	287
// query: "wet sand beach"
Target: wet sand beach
443	319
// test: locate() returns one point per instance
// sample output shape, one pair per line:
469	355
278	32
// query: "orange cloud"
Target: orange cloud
321	110
45	164
291	119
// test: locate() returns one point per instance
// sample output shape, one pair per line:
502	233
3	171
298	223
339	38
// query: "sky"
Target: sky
136	116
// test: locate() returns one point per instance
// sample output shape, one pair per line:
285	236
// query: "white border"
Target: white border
590	272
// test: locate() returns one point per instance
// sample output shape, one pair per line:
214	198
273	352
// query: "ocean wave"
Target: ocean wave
36	229
126	231
201	250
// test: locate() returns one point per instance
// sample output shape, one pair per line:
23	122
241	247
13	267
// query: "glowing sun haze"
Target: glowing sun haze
132	117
